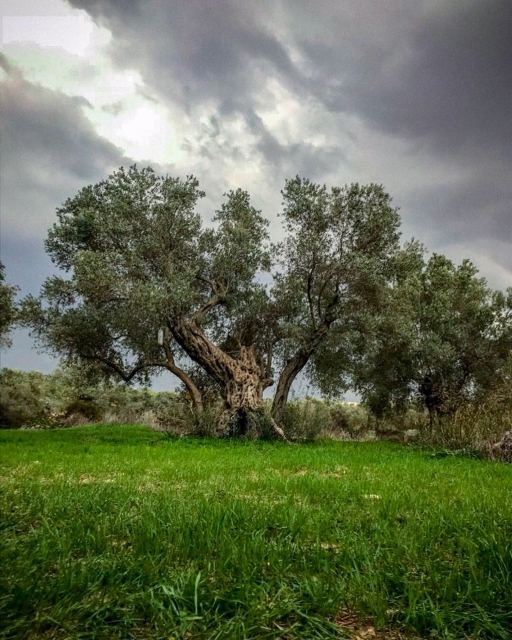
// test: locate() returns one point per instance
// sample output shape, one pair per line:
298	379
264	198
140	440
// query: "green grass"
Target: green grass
122	532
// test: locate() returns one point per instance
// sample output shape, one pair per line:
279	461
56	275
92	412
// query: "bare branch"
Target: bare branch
212	283
207	306
126	377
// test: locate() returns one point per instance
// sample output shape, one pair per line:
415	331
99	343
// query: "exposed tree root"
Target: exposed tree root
278	430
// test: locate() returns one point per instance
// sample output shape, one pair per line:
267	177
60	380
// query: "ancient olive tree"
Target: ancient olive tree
140	263
7	308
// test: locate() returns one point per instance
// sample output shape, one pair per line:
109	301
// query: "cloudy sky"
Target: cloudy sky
413	94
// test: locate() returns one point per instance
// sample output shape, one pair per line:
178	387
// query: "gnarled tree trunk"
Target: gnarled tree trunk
242	380
291	370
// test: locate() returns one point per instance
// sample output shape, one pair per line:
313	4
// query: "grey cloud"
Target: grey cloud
446	77
196	54
439	71
463	68
436	74
292	159
196	50
219	52
115	108
474	209
49	152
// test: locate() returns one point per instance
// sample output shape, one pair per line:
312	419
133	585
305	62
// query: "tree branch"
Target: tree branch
270	356
310	301
219	297
212	283
216	300
195	394
126	377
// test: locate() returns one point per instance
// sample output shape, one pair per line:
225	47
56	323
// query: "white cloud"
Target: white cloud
34	8
74	33
68	52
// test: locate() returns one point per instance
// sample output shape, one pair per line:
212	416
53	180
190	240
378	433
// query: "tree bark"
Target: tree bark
242	380
292	368
193	391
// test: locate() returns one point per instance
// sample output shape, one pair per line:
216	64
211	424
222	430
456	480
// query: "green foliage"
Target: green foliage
130	246
123	532
335	261
444	338
67	397
138	260
8	312
306	420
337	299
209	389
353	420
479	425
83	409
22	399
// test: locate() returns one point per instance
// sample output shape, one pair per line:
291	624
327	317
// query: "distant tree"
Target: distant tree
444	338
7	308
138	260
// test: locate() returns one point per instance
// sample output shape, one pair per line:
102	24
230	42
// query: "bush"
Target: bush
306	419
481	424
83	408
22	399
403	424
349	420
474	426
67	398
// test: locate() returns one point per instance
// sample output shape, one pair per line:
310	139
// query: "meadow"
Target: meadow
125	532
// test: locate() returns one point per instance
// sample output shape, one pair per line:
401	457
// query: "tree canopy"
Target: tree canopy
147	287
443	340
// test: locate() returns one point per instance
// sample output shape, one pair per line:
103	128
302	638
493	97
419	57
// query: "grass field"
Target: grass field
122	532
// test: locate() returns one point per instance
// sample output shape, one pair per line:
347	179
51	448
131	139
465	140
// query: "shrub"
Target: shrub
22	399
81	408
350	420
306	419
474	426
403	424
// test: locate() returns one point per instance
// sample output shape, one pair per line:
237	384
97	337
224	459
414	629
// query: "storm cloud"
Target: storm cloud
413	94
433	76
49	151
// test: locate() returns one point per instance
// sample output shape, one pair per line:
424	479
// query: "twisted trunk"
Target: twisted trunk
194	393
242	380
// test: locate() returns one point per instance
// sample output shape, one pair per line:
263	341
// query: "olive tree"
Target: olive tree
140	264
337	258
444	338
